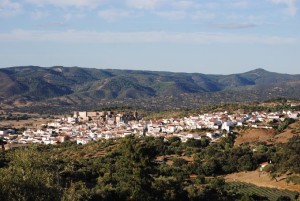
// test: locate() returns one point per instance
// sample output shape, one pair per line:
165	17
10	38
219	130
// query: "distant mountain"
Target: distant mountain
28	85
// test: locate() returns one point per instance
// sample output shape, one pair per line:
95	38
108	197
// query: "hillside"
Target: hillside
28	85
126	168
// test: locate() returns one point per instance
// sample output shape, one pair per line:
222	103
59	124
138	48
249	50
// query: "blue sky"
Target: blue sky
215	36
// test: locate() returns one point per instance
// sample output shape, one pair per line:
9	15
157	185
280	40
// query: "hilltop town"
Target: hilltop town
85	126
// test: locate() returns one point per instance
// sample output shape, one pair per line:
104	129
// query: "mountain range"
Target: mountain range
33	85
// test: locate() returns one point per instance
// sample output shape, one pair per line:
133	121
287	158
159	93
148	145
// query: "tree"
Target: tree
2	145
179	162
284	198
77	192
193	143
131	169
245	163
210	167
28	177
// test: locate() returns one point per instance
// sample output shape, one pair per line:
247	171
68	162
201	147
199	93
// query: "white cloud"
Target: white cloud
203	15
184	5
70	16
52	24
291	6
235	26
165	6
74	36
145	4
114	14
182	14
241	4
38	14
9	8
172	15
67	3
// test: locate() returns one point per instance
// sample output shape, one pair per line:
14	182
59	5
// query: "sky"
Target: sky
202	36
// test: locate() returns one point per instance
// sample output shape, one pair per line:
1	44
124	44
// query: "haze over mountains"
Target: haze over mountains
20	86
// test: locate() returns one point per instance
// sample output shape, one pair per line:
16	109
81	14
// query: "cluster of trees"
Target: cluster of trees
182	105
213	159
283	125
14	117
127	173
286	157
130	169
269	106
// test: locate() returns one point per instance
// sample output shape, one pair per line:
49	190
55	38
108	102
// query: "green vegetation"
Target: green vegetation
14	117
283	125
135	168
295	179
286	157
269	106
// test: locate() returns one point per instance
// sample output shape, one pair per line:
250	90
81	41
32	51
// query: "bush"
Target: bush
294	179
284	198
269	168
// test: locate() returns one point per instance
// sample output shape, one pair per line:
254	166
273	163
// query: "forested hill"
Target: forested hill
146	168
74	85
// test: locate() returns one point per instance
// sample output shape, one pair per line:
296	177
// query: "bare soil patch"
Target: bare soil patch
293	129
283	137
253	135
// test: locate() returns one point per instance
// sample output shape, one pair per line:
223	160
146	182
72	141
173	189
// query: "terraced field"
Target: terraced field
271	193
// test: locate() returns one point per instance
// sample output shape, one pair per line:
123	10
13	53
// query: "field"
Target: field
263	180
271	193
35	121
253	135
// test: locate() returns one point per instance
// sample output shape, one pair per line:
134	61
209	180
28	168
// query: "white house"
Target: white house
3	132
227	126
83	140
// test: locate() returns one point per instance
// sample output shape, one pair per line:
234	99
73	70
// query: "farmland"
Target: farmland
270	193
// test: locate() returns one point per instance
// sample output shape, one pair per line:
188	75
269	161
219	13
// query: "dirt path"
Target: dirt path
254	177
